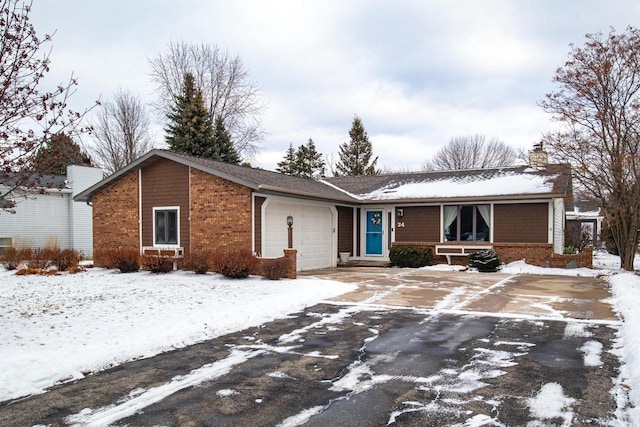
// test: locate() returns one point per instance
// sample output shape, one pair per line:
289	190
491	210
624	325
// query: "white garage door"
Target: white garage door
312	233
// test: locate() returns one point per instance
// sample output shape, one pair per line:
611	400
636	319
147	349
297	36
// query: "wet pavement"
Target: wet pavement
409	347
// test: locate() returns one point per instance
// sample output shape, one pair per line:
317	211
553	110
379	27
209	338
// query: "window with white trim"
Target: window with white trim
466	223
166	226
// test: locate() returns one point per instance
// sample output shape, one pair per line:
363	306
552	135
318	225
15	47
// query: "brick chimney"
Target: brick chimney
538	157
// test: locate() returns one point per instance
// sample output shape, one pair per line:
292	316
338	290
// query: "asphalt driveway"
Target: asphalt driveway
409	347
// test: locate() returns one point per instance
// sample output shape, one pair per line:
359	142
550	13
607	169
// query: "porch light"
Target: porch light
290	221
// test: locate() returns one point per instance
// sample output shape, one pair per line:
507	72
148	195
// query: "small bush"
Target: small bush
158	264
486	261
408	256
11	258
127	260
198	262
275	269
569	250
234	264
66	259
41	258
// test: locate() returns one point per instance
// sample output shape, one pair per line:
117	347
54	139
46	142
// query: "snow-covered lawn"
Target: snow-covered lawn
57	328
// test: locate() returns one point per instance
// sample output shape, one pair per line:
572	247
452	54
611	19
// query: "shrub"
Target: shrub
66	259
11	258
275	269
408	256
41	258
234	264
569	250
486	261
158	264
198	262
127	260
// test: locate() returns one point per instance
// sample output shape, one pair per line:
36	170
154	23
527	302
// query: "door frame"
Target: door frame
388	231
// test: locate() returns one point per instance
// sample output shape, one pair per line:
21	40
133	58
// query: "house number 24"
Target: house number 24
400	224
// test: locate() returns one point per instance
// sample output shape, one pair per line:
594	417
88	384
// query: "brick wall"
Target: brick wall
115	217
540	254
220	213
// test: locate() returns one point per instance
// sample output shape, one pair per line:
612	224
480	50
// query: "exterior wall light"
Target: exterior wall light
290	221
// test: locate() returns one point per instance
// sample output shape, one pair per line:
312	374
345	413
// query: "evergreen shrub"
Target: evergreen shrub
408	256
485	261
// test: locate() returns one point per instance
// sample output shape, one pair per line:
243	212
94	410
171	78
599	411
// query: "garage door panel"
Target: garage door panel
312	233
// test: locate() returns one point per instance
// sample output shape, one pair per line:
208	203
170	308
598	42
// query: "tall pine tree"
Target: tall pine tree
305	162
356	154
287	164
309	163
190	130
222	140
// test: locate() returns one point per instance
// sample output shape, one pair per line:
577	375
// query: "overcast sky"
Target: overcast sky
417	73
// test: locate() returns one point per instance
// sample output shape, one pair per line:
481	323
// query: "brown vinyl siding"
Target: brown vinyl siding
521	223
345	229
421	224
257	223
165	183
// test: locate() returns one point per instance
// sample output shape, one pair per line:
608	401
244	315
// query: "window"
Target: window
466	223
166	225
5	242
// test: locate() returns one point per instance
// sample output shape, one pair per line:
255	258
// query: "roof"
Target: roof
256	179
497	183
585	210
520	182
36	181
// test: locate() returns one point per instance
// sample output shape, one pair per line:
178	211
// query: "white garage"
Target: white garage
314	236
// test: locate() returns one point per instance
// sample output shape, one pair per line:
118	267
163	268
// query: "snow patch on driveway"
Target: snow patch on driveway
550	403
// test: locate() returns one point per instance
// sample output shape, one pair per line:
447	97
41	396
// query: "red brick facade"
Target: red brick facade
115	217
220	213
540	254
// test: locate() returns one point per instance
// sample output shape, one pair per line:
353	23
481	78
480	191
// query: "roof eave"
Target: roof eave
279	190
87	194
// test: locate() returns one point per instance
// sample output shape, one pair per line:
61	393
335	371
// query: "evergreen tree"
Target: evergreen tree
309	162
224	145
305	162
356	154
190	130
59	152
286	165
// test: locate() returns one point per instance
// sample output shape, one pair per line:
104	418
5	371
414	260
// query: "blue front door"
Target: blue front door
374	233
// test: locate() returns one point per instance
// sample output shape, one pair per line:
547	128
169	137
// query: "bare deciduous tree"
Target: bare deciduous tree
598	104
471	152
121	132
225	85
29	115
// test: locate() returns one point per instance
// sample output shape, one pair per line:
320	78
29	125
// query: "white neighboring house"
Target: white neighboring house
51	216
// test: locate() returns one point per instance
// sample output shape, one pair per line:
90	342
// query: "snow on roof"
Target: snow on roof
498	185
